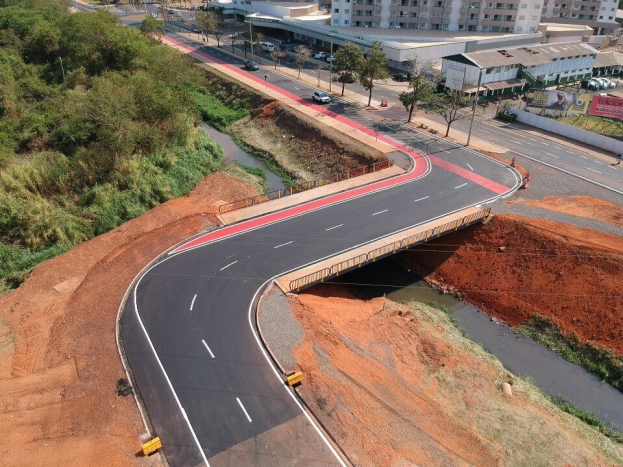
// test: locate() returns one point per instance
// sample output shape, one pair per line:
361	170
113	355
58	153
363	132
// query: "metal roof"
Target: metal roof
530	55
605	59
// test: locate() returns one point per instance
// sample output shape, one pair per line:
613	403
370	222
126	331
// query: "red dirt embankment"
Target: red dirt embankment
400	386
516	267
59	363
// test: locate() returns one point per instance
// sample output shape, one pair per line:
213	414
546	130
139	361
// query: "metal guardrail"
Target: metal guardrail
253	200
392	248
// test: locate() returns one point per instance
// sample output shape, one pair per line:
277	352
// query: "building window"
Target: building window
347	11
345	22
524	6
336	10
537	6
336	21
521	18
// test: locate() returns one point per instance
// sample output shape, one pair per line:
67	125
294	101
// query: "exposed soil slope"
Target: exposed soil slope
59	363
399	386
304	147
515	267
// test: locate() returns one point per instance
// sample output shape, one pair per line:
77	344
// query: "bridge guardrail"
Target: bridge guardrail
392	248
246	202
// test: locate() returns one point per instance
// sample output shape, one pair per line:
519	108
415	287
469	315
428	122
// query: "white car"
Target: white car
609	83
321	55
321	96
330	58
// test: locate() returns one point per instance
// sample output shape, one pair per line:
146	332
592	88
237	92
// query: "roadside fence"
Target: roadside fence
386	250
246	202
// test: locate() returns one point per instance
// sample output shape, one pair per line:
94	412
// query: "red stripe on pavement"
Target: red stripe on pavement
419	169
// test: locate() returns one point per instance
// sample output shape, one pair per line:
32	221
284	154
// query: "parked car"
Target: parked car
195	28
593	85
401	77
331	58
609	83
601	84
251	65
321	96
154	15
321	55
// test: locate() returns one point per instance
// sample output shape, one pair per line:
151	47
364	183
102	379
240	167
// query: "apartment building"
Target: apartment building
539	66
505	16
598	14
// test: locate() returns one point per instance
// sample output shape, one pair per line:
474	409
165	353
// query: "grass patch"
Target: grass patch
600	362
587	417
600	125
216	113
260	173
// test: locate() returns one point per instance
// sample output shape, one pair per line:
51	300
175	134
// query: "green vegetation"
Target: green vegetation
601	125
601	362
587	417
98	125
260	173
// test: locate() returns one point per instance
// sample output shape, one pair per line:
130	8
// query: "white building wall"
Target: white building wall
455	15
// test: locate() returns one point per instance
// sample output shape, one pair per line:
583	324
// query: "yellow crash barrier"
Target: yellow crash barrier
295	378
151	446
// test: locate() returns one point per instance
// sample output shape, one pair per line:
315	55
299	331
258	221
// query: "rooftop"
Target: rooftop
529	55
606	59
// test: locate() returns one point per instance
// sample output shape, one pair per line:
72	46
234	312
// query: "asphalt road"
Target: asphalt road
188	332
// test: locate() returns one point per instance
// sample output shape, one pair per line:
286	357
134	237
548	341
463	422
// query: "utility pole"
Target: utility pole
471	123
251	35
330	63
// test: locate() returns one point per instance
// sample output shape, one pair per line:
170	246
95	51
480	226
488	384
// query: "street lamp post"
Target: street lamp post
331	63
251	35
471	123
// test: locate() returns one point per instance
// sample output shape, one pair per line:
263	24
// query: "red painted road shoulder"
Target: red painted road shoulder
420	165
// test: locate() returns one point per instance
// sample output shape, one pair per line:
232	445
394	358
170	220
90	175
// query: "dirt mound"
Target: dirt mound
516	267
59	362
400	386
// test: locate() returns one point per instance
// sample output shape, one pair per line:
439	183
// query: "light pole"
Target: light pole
331	63
251	35
471	123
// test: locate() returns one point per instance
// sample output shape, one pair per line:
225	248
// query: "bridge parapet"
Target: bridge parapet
333	267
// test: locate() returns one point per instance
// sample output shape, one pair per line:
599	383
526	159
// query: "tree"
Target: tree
258	38
152	27
374	67
206	22
348	60
420	86
221	28
449	103
301	56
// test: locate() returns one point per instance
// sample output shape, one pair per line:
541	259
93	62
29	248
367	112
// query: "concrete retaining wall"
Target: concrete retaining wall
568	131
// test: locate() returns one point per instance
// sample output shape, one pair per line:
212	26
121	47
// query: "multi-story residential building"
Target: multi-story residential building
452	15
538	66
598	14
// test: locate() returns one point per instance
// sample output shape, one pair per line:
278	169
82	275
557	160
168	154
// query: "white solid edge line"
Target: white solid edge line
244	410
257	339
225	267
166	376
334	227
421	199
283	244
208	348
380	212
460	185
470	167
573	174
192	304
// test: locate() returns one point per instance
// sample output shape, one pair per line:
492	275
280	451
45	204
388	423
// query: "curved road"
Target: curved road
188	330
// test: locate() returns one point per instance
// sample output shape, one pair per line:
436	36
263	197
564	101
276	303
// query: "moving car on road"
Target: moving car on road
321	55
251	65
321	96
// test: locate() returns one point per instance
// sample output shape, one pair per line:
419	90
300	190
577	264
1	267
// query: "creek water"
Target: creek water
523	357
233	152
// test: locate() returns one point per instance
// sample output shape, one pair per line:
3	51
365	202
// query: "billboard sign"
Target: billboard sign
551	100
604	106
